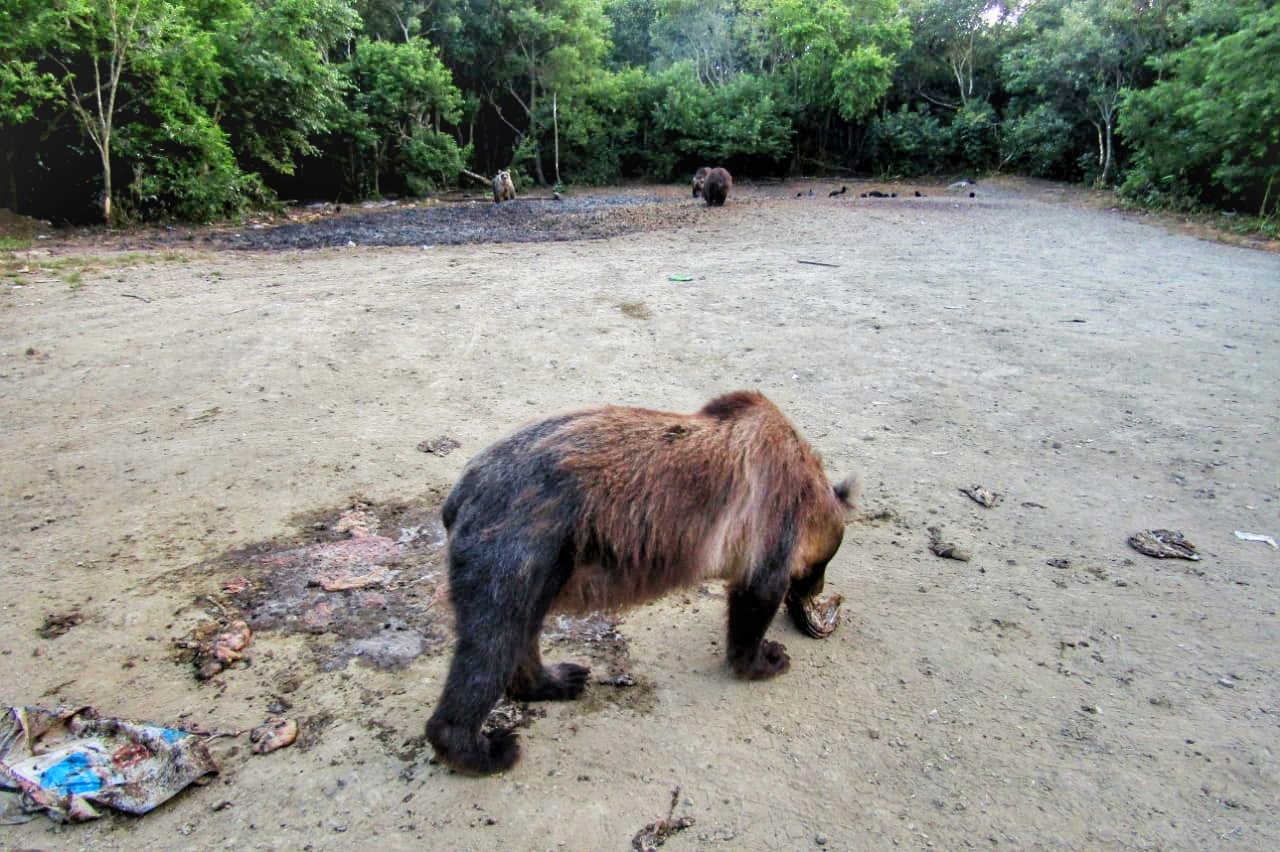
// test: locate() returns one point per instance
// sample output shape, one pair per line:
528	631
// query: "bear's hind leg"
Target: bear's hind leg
477	678
535	682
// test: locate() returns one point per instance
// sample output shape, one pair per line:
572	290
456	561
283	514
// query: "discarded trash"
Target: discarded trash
656	833
1247	536
509	715
65	761
982	495
816	617
1163	544
946	549
236	585
273	734
55	624
441	446
680	278
344	580
217	647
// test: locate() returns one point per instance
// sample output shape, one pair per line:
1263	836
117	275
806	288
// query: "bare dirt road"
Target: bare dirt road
190	428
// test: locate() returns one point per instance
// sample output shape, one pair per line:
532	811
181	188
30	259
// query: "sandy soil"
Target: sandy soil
173	417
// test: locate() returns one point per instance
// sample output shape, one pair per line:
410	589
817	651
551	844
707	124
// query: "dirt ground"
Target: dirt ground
184	416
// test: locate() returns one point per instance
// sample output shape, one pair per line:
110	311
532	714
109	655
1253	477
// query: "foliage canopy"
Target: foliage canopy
196	109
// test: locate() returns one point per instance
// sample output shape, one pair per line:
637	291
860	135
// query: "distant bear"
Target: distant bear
699	178
613	506
503	188
716	187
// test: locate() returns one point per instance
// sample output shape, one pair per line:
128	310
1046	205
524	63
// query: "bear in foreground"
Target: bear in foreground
612	506
716	186
503	188
699	178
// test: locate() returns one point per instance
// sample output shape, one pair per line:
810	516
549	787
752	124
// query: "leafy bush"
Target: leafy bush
1036	142
909	142
181	166
603	127
191	189
1209	130
429	160
975	136
400	92
744	120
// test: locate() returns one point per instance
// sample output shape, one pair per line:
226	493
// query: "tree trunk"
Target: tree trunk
10	199
555	131
106	180
533	131
1106	163
537	165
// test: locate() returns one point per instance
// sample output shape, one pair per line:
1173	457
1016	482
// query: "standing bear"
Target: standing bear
699	178
503	188
612	506
716	186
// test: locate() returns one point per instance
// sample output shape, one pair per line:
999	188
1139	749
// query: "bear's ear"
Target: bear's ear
848	490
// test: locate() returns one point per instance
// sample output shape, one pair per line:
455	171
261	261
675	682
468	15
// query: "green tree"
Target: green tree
401	93
697	32
402	20
607	131
1078	56
23	85
838	54
954	51
744	120
1209	129
552	47
280	89
93	44
631	22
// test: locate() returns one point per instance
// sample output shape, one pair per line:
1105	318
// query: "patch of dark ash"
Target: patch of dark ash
370	582
519	221
367	582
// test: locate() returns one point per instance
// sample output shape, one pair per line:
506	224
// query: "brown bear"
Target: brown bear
503	188
715	189
612	506
699	178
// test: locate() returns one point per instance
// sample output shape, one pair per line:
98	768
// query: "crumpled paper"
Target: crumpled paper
68	760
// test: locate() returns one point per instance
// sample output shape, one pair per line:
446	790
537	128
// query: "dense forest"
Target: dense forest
136	110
